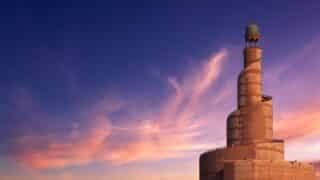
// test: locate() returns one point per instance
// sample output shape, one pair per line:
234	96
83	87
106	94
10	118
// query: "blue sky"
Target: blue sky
91	88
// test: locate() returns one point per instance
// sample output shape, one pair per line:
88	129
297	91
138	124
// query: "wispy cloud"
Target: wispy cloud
169	132
73	146
75	151
299	123
300	128
296	100
179	125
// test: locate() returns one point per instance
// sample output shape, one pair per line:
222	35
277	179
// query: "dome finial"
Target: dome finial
252	33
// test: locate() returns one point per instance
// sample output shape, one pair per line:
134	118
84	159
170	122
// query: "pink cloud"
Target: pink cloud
300	128
296	102
78	149
299	123
171	131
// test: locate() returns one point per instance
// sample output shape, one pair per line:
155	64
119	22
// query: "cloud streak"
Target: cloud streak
179	125
73	148
296	101
169	132
303	122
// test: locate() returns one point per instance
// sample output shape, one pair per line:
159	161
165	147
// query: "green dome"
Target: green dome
252	32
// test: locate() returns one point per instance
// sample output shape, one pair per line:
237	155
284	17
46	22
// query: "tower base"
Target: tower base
267	170
262	161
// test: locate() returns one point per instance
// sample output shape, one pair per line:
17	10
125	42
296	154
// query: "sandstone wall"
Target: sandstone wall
213	162
267	170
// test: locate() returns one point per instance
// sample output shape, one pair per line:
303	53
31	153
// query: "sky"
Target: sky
139	89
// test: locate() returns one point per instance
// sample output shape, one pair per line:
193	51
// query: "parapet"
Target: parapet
212	162
267	170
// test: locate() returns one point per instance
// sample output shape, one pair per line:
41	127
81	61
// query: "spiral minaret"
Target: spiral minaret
254	111
251	152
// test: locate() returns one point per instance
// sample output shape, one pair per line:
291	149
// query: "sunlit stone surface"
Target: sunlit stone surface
251	152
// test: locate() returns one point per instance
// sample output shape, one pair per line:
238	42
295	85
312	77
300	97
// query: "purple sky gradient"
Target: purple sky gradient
91	93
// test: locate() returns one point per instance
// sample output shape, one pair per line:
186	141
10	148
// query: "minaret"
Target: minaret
252	121
251	152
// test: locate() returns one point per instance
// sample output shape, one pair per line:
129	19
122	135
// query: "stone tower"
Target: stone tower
251	152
